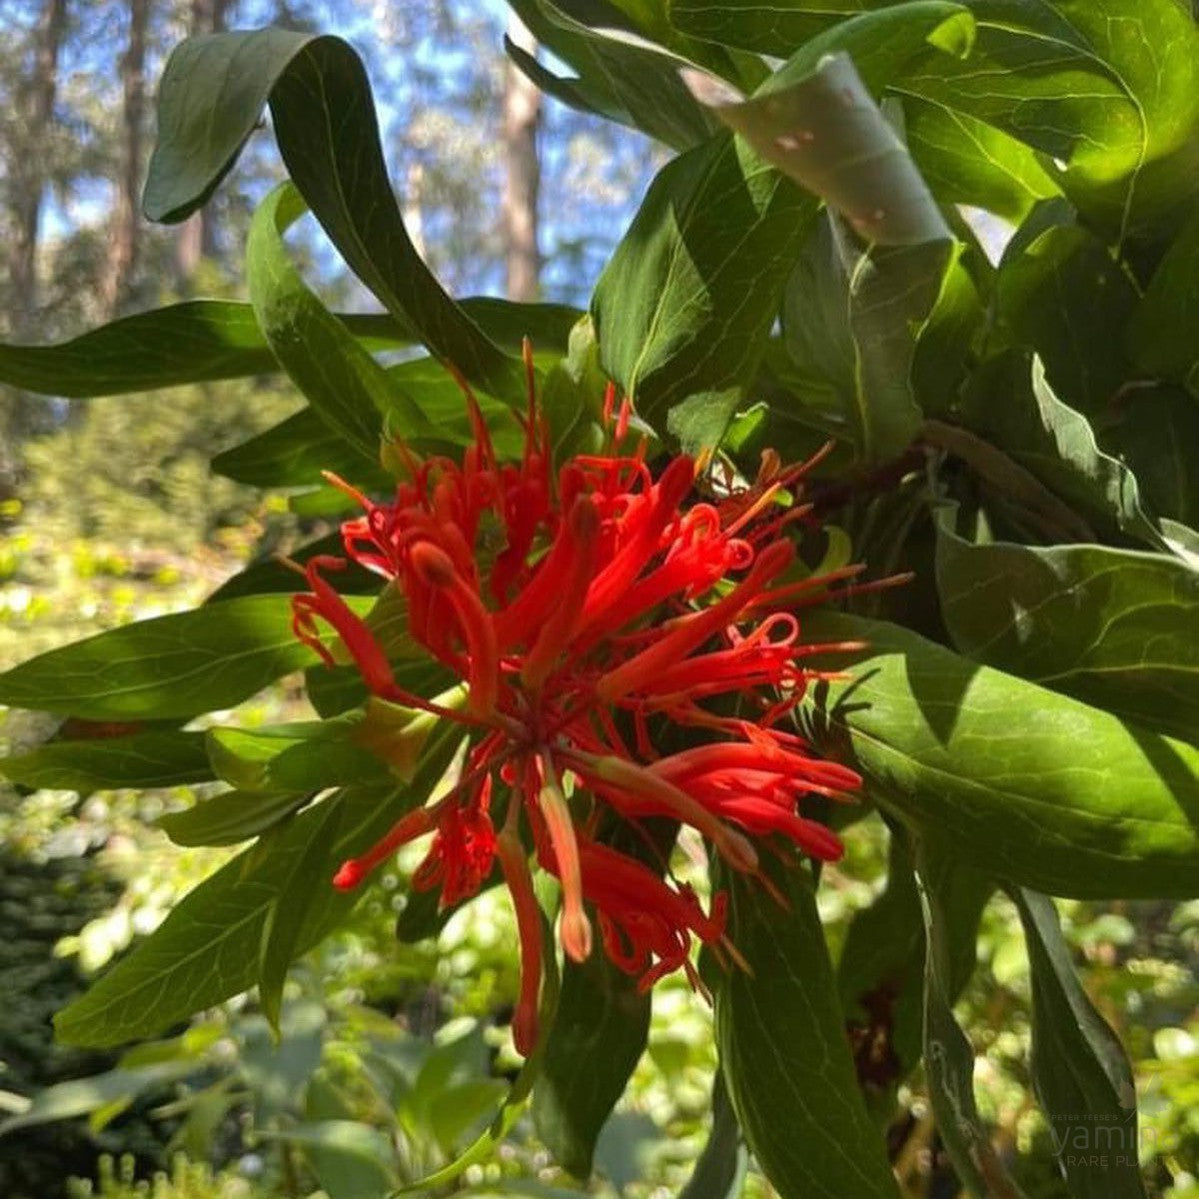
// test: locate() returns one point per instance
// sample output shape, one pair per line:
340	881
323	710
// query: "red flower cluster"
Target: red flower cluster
609	611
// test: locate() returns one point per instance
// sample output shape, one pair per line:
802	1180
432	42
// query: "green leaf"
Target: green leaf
952	898
346	387
598	1034
1080	1071
290	910
509	322
461	1108
79	1096
721	1167
350	1159
212	95
441	399
947	340
1061	294
1109	90
154	759
1163	336
572	397
880	979
170	666
270	576
781	1035
992	763
851	323
1009	403
641	22
687	300
816	119
635	84
1115	628
231	817
296	451
207	948
513	1107
199	341
293	453
1152	435
766	26
313	755
966	161
203	341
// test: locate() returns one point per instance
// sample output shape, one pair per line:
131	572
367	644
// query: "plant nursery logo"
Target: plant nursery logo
1109	1140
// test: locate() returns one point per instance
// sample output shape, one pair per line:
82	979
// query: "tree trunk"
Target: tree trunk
36	102
197	237
125	236
522	177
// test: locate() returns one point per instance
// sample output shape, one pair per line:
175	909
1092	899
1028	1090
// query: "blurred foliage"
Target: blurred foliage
186	1180
43	900
141	482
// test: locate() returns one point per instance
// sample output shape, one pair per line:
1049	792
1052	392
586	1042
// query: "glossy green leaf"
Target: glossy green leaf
207	948
781	1035
1080	1070
292	454
686	302
199	341
231	817
1163	336
598	1034
992	763
509	322
816	119
947	340
583	94
204	341
966	161
346	387
572	396
303	756
212	95
650	22
766	26
851	322
1152	433
297	895
634	84
270	576
720	1169
169	666
296	451
1009	403
441	399
1061	294
1113	627
154	759
1110	90
952	897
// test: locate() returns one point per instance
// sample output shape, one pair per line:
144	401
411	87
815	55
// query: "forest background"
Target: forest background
108	513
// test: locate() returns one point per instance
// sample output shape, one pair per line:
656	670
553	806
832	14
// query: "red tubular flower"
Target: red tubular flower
609	608
642	918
